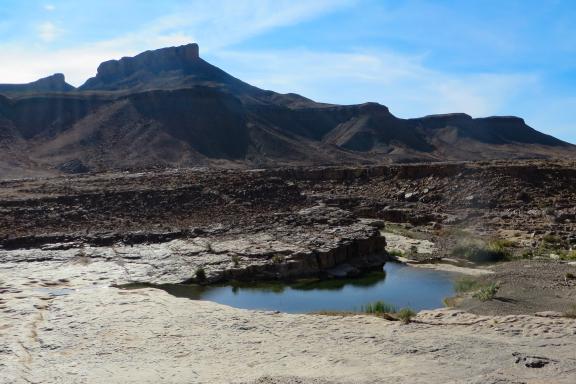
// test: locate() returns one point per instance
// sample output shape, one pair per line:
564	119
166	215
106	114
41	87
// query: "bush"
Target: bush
395	253
200	274
486	293
278	259
551	239
568	255
405	315
378	307
466	284
236	260
528	254
450	301
479	253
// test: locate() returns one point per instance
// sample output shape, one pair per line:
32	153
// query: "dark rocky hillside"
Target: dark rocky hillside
170	108
54	83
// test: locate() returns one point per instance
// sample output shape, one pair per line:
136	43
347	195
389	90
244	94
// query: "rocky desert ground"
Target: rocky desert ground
70	243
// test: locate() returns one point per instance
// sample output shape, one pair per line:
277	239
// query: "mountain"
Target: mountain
170	108
54	83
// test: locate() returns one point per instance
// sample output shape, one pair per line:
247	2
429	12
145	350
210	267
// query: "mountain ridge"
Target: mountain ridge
170	108
53	83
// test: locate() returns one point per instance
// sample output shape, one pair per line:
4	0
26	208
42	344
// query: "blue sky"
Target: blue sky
482	57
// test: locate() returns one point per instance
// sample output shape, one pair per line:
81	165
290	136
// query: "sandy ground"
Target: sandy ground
76	331
528	286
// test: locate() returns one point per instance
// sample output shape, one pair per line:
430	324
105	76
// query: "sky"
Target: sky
418	57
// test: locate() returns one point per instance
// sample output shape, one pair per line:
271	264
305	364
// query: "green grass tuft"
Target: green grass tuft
486	293
379	307
396	253
405	315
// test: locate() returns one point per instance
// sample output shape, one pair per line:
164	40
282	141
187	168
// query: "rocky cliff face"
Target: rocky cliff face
170	108
114	74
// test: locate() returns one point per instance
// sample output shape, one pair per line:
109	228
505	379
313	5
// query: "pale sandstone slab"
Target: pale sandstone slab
105	335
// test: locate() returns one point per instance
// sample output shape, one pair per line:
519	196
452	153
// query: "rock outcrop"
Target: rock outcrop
54	83
308	243
132	70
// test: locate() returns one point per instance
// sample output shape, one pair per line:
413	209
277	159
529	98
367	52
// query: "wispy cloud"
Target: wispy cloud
49	7
237	21
402	82
234	21
48	31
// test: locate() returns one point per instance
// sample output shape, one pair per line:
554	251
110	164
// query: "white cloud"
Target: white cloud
236	21
233	22
49	7
48	31
403	83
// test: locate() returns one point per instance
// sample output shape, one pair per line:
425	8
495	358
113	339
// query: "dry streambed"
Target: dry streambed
62	322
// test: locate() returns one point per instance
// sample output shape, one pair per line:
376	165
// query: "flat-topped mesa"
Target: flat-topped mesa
151	62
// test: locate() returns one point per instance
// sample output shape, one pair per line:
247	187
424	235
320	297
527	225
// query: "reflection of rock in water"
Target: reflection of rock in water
368	280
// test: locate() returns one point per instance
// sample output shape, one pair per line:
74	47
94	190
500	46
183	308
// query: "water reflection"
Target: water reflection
399	285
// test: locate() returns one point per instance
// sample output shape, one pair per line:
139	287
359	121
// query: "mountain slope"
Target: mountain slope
170	108
54	83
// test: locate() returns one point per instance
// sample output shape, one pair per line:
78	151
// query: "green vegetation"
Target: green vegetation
551	244
466	284
378	308
501	245
450	301
278	259
483	292
405	315
403	231
455	232
236	260
486	293
527	255
479	252
568	255
200	274
550	239
395	253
